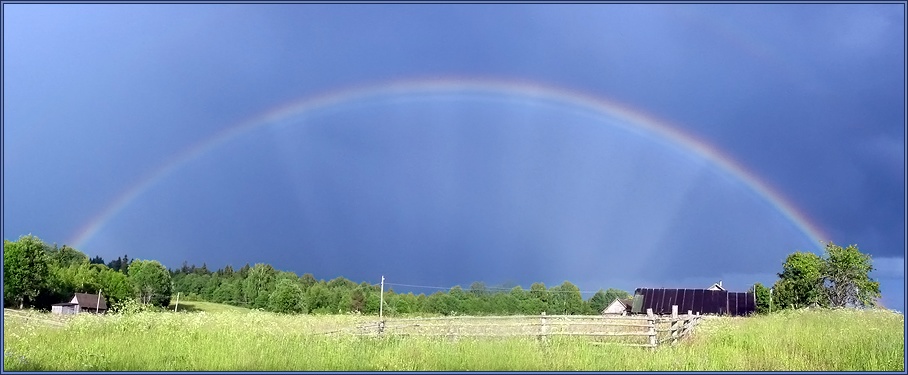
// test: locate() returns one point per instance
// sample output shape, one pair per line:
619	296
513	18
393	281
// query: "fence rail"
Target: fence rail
642	331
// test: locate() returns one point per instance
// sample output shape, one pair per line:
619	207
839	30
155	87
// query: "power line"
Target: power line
549	290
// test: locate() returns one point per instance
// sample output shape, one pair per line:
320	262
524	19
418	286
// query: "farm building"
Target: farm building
716	301
63	308
81	302
619	306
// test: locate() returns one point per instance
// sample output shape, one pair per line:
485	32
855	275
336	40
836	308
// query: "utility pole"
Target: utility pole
381	306
98	304
177	305
770	300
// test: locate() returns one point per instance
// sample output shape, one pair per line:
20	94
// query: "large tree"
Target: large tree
65	256
847	273
151	281
566	300
801	282
287	297
840	278
114	285
25	269
599	302
258	284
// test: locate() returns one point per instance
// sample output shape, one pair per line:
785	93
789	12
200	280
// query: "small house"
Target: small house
81	302
619	306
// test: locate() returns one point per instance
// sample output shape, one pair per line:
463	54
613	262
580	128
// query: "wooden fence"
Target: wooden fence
635	330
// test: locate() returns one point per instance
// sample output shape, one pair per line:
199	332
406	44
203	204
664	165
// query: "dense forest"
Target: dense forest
39	275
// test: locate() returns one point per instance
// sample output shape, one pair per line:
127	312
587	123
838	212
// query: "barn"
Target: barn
715	301
81	302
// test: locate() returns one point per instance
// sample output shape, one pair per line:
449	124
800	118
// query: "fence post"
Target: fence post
690	317
673	330
542	328
651	321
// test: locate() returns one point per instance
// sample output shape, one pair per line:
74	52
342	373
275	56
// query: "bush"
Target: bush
130	306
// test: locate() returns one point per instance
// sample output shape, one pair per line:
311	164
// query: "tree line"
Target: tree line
261	286
38	275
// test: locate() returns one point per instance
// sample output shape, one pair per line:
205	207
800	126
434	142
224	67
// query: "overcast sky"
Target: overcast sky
610	145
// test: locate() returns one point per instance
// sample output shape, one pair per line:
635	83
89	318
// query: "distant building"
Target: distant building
714	300
81	302
619	306
63	308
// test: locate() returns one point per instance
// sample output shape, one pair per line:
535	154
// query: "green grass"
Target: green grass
254	340
208	307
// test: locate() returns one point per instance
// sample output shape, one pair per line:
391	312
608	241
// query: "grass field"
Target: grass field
208	307
218	338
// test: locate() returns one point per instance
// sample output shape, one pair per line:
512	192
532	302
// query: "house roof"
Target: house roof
626	303
90	300
716	286
703	301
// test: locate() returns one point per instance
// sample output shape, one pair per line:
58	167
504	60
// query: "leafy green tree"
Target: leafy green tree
341	282
308	280
566	299
25	269
287	297
478	289
504	303
78	278
599	302
847	273
801	282
259	282
761	293
319	298
114	285
611	294
539	291
151	281
443	303
65	256
373	300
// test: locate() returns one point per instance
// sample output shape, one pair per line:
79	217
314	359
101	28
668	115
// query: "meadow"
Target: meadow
206	337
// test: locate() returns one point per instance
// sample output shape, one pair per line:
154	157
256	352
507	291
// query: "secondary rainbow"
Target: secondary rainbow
515	89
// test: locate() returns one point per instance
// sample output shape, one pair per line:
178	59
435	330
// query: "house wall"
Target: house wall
63	310
614	308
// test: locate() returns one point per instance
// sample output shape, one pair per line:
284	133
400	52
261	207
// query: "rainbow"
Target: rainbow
636	120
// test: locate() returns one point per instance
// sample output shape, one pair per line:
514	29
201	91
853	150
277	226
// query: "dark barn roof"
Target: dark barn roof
90	301
721	302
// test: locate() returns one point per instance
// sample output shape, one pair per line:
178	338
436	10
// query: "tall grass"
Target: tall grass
255	340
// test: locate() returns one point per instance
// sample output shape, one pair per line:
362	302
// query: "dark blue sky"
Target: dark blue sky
447	186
